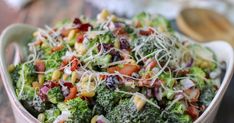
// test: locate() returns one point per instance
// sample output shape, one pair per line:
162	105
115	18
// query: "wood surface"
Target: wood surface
205	25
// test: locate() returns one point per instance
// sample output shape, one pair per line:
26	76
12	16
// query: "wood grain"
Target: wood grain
205	25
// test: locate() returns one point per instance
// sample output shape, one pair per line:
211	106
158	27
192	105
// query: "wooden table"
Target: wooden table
42	12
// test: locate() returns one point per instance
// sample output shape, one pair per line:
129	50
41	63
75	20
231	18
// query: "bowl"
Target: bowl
18	35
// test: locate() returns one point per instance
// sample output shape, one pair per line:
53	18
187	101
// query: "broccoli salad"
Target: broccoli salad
115	70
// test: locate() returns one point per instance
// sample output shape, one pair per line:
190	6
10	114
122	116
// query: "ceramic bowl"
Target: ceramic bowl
20	34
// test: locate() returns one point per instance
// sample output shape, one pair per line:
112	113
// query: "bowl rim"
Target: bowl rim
4	39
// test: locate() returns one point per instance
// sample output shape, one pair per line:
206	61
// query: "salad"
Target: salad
115	70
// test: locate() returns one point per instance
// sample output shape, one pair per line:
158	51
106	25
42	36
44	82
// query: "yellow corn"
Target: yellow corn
11	68
56	75
94	119
36	85
86	93
41	78
74	76
131	61
71	35
139	101
103	15
80	48
65	76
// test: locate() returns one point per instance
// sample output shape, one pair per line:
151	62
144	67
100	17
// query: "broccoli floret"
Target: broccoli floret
51	115
167	77
52	61
15	74
80	112
55	95
207	95
176	114
198	76
204	57
107	98
147	20
126	112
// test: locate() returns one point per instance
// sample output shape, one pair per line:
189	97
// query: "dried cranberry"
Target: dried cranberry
68	84
146	32
84	27
124	44
115	55
105	46
77	21
80	38
112	82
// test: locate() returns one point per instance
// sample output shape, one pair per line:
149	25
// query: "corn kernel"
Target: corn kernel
41	78
86	93
94	119
74	76
56	75
11	68
36	85
71	35
80	48
65	76
103	15
139	101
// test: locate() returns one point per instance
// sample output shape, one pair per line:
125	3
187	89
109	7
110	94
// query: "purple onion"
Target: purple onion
149	93
190	63
44	90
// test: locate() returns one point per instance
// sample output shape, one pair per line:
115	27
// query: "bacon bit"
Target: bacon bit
119	31
193	112
147	32
127	69
102	77
38	43
183	72
65	32
57	48
68	84
152	64
138	24
75	63
80	38
72	94
63	64
39	66
193	94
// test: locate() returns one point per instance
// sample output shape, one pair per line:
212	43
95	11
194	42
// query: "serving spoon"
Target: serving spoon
205	25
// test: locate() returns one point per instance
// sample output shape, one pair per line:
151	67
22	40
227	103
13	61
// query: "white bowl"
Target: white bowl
20	34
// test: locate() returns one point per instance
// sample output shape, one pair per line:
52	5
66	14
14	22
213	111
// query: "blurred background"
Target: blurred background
46	12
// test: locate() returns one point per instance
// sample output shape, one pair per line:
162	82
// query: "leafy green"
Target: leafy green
55	95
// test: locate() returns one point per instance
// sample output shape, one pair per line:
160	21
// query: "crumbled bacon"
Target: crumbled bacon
40	66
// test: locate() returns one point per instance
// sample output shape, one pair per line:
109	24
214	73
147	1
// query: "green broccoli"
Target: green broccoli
167	78
146	19
207	95
51	115
107	98
55	95
176	114
126	112
198	76
52	61
80	112
204	57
